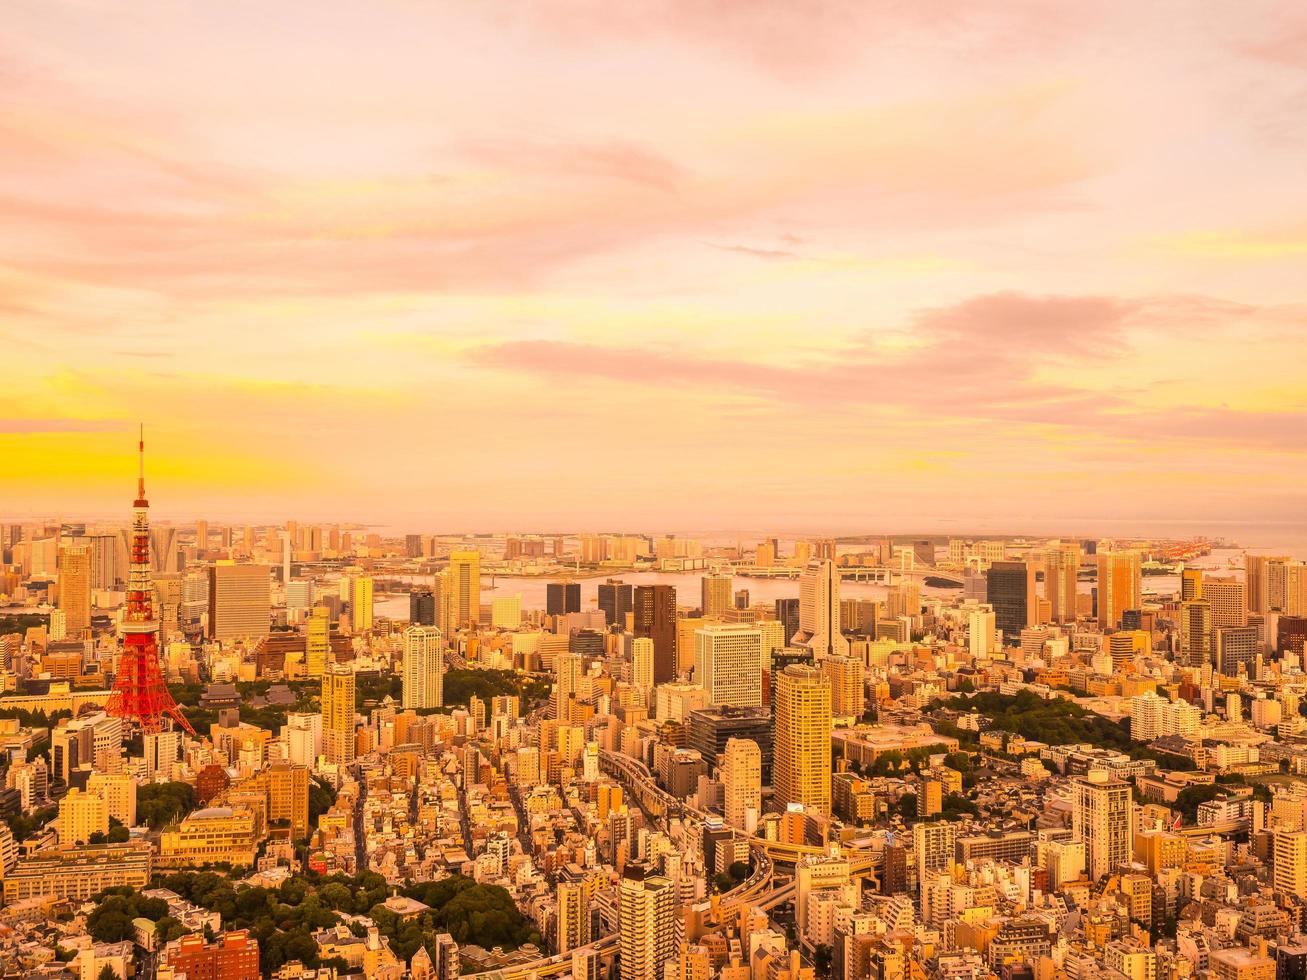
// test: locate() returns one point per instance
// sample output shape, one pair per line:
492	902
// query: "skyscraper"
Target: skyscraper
715	595
562	598
741	776
1061	568
1101	816
819	611
240	601
424	668
338	714
655	617
1228	598
728	663
846	677
1191	584
1119	585
1195	632
615	601
801	767
642	660
1007	592
422	607
647	923
317	642
360	603
465	587
75	588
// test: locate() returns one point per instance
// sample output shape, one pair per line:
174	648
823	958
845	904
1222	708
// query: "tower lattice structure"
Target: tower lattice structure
139	692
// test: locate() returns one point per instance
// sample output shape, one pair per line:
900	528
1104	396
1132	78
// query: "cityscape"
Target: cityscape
653	490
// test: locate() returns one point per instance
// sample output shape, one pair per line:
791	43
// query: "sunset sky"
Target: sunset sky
692	263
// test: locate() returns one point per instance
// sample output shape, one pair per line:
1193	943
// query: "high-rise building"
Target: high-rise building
802	752
642	664
1119	585
422	607
728	663
75	588
506	612
1228	598
1007	591
847	679
819	611
424	668
562	598
240	601
1235	645
1290	863
981	624
1061	568
1102	817
787	614
1191	584
647	917
615	601
715	595
1263	575
573	920
465	586
317	642
712	728
655	617
741	776
1195	632
80	816
360	603
338	744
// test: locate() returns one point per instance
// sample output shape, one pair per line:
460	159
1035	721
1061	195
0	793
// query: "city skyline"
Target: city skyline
811	266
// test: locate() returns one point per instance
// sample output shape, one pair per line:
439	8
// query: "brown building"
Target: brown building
231	956
655	617
210	782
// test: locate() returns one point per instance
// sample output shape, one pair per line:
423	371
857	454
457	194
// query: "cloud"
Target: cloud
16	426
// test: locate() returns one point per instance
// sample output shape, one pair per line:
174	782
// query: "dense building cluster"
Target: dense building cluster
650	757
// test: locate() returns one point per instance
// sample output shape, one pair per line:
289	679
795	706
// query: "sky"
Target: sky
678	263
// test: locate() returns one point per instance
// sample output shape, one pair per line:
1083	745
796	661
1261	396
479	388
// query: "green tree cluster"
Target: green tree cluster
158	804
117	908
481	914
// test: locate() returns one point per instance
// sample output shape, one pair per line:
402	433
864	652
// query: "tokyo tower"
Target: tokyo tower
139	693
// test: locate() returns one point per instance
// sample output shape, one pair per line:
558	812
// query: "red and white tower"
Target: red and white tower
139	692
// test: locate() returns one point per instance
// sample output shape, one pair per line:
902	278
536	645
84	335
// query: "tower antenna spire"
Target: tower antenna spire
140	479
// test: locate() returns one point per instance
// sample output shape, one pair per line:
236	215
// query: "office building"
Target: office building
819	612
1228	598
80	816
424	668
240	601
76	874
846	677
562	598
465	587
615	601
642	666
75	588
802	750
1119	585
422	607
1195	632
715	597
1008	591
711	729
506	612
1061	568
655	617
728	664
981	627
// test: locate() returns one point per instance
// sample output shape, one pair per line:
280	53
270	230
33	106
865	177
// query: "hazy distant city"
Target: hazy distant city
653	490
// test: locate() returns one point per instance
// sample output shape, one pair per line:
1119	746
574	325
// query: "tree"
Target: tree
739	870
106	973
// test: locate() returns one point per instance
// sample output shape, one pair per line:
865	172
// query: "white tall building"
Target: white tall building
981	628
1102	816
1152	717
647	923
424	668
819	611
642	668
728	664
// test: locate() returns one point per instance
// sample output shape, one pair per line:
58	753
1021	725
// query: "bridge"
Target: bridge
878	574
